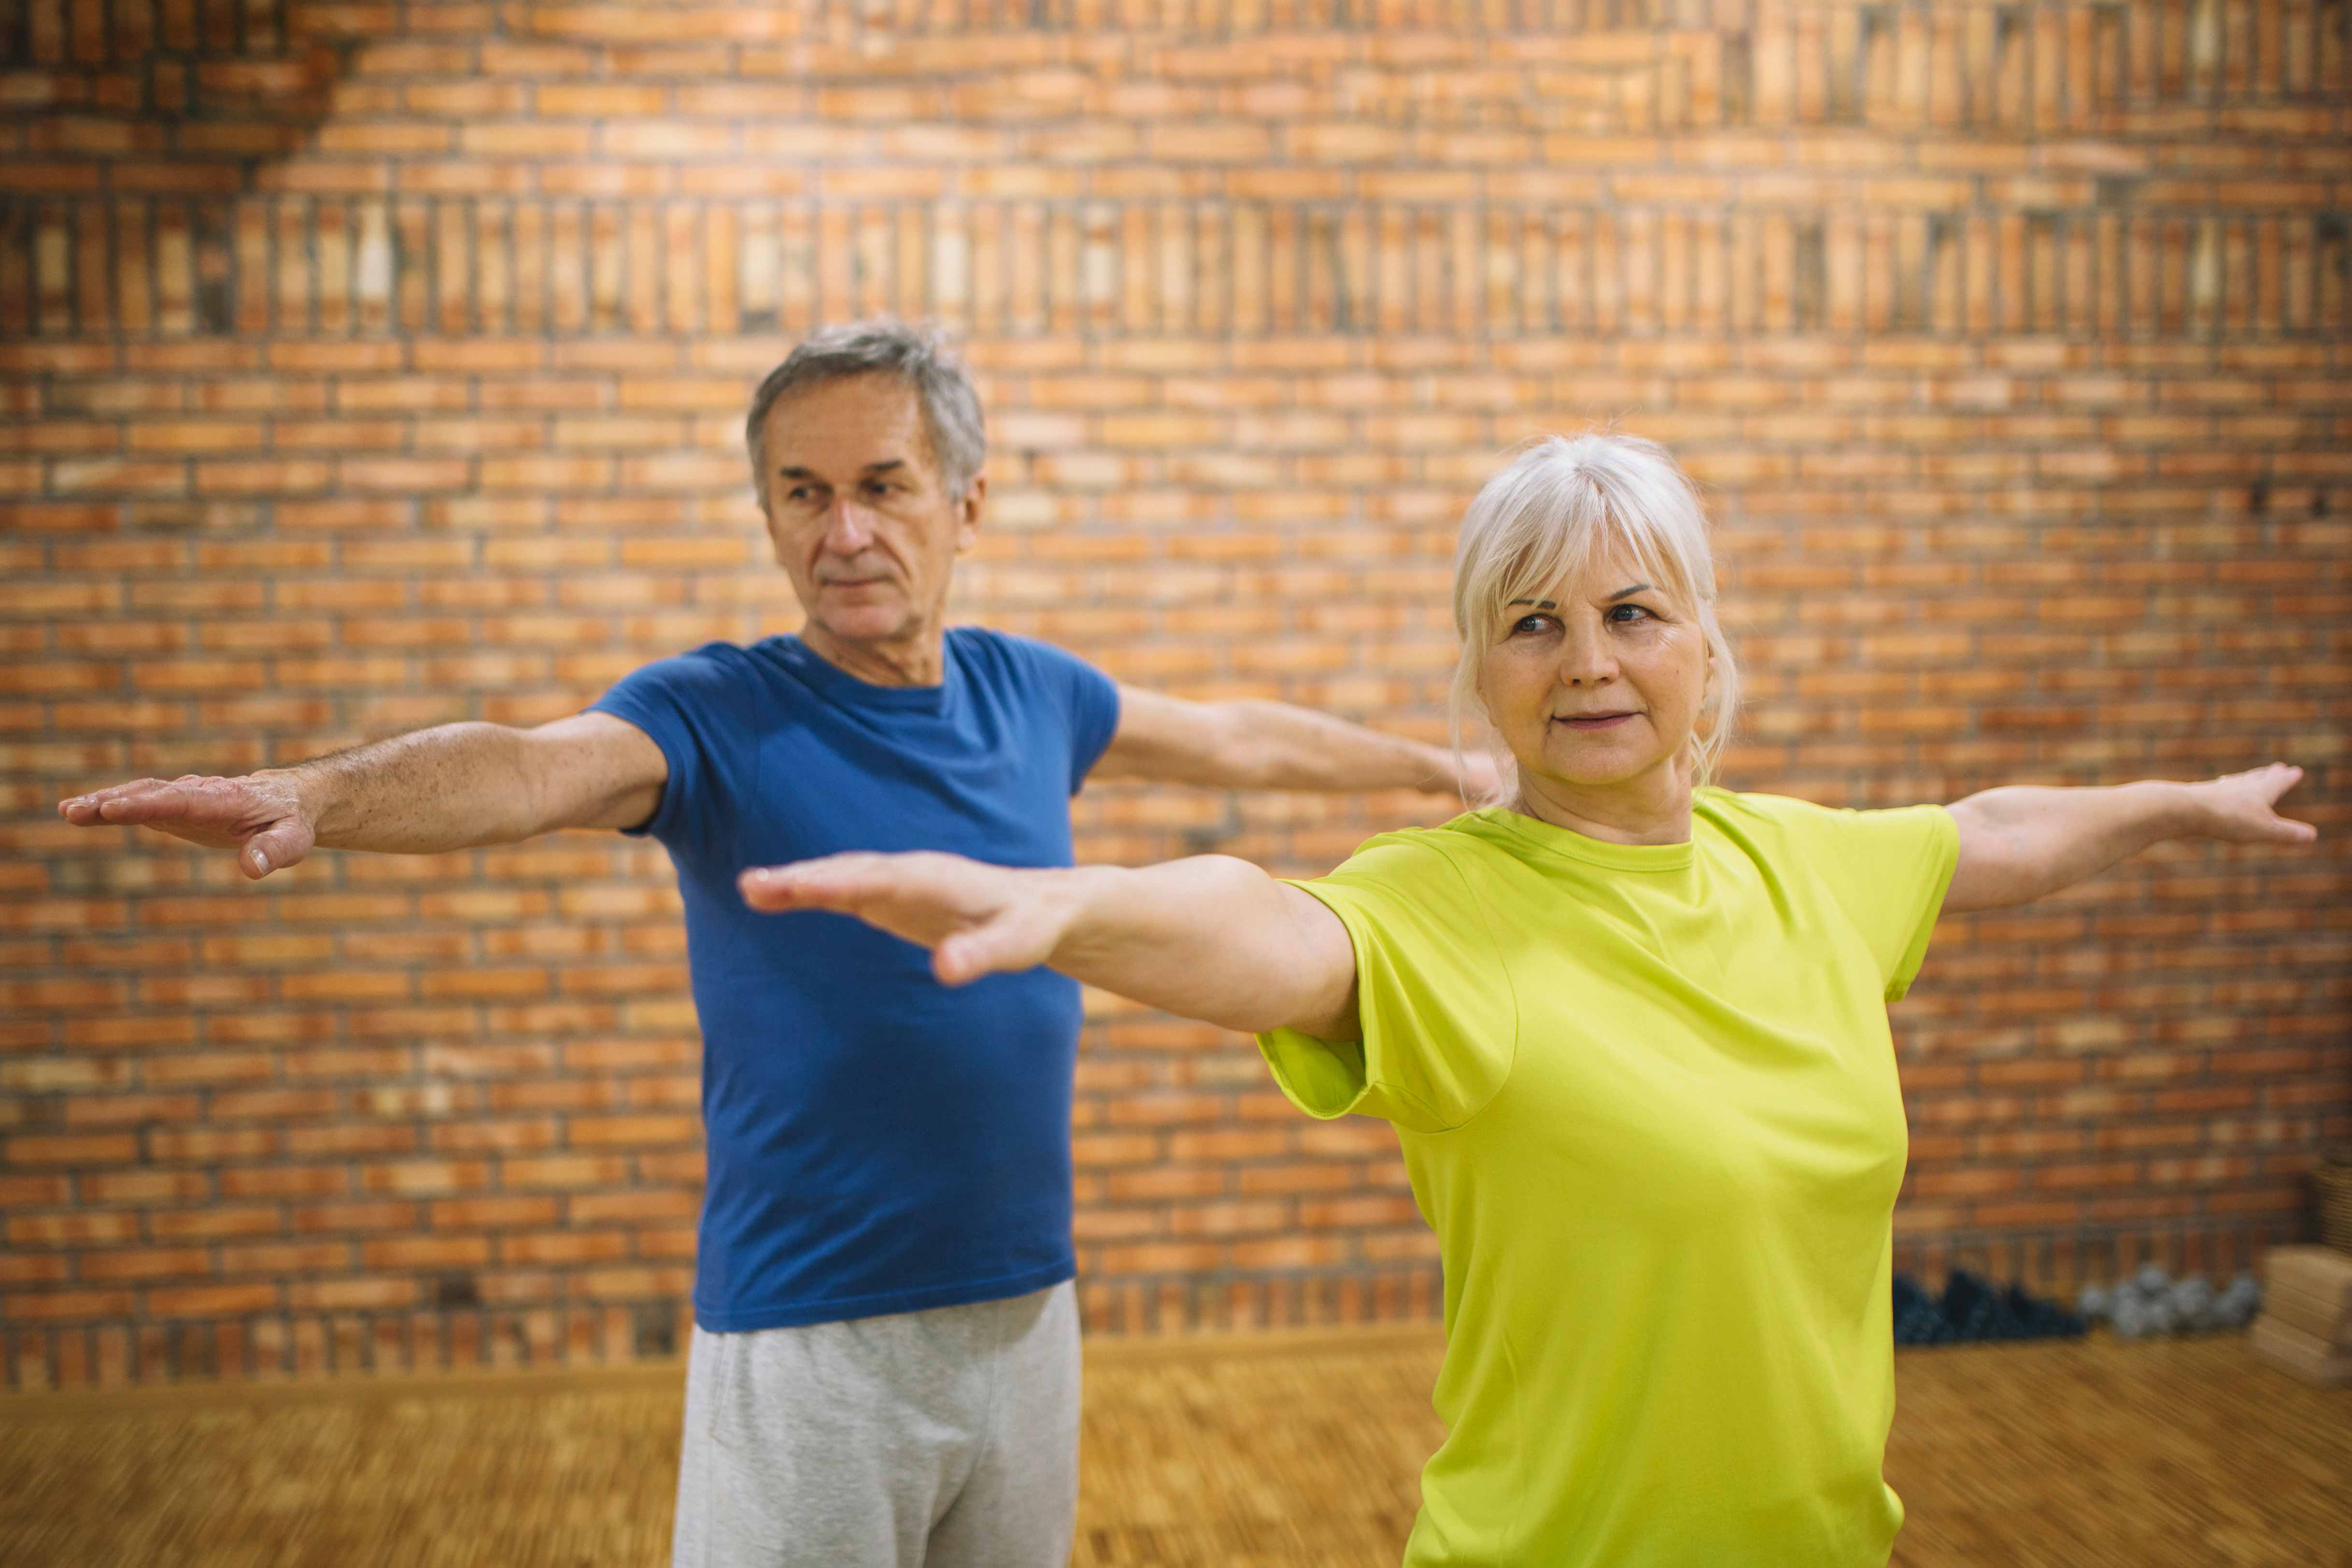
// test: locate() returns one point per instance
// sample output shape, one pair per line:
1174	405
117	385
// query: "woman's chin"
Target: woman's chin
1593	766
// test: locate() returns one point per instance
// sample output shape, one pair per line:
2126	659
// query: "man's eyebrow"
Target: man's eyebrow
882	467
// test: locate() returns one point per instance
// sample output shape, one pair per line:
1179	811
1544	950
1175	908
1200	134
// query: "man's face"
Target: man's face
858	513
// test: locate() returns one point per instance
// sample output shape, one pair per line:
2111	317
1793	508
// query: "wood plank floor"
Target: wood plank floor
1277	1451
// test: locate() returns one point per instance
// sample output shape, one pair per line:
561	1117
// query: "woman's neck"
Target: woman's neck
1654	809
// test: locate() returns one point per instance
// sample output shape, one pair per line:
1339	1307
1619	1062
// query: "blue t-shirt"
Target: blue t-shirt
877	1142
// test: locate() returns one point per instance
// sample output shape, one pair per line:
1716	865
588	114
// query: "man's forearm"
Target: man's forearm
2020	842
1285	747
453	787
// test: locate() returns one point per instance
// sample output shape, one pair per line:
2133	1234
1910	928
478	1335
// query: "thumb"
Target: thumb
282	843
1012	939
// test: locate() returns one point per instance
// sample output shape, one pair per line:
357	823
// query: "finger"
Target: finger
2279	777
774	887
834	882
84	810
153	800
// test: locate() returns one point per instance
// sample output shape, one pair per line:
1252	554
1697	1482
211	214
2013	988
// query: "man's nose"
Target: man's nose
848	526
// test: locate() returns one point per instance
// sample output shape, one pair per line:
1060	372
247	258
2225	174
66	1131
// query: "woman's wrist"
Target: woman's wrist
2173	811
1084	892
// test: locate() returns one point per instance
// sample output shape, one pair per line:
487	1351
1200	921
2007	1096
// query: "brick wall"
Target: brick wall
372	365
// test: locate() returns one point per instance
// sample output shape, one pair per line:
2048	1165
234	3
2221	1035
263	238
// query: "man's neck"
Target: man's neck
920	660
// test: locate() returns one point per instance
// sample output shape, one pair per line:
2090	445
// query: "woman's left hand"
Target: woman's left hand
2239	808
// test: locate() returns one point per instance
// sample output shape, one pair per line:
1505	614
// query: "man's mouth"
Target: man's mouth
1591	721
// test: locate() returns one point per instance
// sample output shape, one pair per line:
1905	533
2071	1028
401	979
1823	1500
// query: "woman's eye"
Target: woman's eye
1628	613
1526	623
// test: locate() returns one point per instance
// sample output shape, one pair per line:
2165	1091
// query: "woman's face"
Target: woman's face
1598	683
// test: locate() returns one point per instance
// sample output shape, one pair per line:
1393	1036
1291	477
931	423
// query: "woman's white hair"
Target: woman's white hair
1537	524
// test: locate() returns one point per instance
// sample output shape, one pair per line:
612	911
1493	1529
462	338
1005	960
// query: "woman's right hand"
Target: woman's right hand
976	919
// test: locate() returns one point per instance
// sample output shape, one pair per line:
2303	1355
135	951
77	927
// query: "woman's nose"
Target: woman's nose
1586	659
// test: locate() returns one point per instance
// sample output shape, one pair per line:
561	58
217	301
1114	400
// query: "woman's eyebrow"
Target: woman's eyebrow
1621	593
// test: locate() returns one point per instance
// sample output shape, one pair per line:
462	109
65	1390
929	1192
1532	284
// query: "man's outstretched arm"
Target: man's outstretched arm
450	788
1272	745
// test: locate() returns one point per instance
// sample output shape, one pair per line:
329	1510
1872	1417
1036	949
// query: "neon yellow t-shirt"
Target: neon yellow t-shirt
1647	1098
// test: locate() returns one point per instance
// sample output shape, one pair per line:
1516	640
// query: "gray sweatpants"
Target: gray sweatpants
930	1440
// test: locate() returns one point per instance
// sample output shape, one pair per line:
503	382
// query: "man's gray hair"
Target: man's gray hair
918	357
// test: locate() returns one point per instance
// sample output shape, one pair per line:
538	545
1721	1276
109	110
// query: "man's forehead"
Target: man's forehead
848	425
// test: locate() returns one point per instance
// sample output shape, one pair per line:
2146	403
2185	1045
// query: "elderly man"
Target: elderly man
885	1363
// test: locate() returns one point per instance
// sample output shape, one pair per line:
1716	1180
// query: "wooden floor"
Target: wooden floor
1278	1450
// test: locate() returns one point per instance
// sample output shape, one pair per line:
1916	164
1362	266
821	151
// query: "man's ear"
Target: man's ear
969	511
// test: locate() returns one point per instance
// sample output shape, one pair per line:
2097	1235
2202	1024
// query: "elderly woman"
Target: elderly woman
1630	1027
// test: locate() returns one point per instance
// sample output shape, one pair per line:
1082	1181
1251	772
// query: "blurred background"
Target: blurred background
372	365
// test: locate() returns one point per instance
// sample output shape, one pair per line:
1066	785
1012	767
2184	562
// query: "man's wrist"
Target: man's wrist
1442	771
312	786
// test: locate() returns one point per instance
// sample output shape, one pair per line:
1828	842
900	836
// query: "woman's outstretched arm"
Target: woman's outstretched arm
2022	841
1211	937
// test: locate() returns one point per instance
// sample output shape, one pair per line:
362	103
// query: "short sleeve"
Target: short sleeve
683	703
1089	696
1888	870
1440	1023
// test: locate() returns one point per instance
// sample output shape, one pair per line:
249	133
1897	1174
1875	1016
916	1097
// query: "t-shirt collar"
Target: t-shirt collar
840	687
1513	828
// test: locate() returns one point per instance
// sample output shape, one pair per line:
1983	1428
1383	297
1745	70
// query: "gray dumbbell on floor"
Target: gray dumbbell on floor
2150	1302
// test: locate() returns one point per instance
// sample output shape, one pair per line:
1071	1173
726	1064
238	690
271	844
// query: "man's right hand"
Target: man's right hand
261	815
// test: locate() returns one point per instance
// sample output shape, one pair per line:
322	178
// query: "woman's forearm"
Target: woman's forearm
1211	937
2022	841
